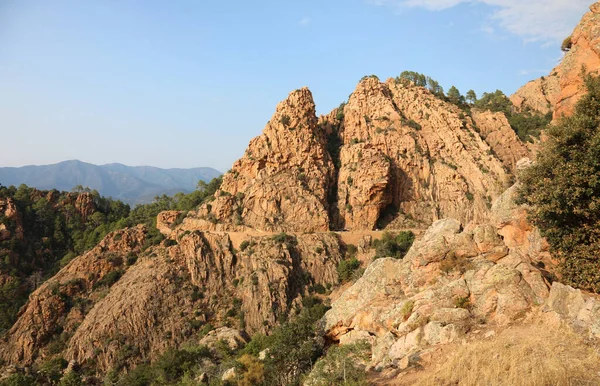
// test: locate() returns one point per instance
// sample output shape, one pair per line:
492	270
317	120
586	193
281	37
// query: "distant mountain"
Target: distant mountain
131	184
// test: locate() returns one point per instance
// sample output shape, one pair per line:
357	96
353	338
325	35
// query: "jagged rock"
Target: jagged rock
49	309
584	55
282	182
539	95
496	131
579	309
394	154
560	91
9	211
364	185
439	166
171	291
451	279
234	339
167	220
229	374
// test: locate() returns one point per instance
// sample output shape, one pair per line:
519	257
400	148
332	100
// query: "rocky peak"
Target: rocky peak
406	155
282	181
560	91
394	155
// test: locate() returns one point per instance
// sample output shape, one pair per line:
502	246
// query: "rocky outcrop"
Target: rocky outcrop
451	281
502	139
560	91
10	214
60	304
394	152
428	161
166	221
282	182
539	95
578	309
582	58
107	307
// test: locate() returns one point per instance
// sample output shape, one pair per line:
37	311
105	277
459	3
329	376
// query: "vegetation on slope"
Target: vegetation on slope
55	232
526	124
529	355
563	188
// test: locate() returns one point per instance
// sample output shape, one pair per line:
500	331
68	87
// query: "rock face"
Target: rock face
579	309
560	91
450	281
8	211
404	151
539	95
167	220
282	181
503	140
393	152
116	311
61	303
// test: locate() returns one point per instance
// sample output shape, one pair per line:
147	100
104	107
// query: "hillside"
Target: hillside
130	184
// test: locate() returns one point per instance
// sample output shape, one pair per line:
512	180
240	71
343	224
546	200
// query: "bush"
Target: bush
18	379
391	245
283	238
245	244
343	365
285	120
346	269
412	124
109	279
566	44
563	190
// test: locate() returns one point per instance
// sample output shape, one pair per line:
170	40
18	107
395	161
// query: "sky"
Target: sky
188	83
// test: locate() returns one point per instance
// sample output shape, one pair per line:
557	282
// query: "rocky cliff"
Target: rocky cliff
117	305
395	153
457	285
562	88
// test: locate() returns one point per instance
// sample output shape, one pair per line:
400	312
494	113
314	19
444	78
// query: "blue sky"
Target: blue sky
189	83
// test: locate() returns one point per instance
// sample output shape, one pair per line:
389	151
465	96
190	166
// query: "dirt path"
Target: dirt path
348	237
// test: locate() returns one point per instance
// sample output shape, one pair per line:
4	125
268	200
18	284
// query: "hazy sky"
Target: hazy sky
188	83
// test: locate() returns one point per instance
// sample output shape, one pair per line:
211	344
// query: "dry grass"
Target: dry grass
533	355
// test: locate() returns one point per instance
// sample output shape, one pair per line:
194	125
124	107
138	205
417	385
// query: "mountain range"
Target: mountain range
131	184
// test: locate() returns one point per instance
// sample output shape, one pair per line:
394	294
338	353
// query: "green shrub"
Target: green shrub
391	245
285	120
18	379
463	302
343	365
245	244
351	250
109	279
566	44
563	191
346	268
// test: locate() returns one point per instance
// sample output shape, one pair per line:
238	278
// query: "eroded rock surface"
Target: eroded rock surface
61	303
451	280
562	88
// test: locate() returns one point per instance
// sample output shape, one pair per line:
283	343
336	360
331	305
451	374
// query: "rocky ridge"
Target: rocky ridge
168	294
561	89
454	283
394	152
